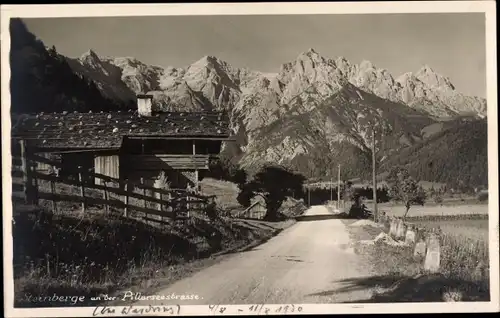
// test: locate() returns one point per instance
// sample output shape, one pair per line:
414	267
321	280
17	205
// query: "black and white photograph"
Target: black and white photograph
249	159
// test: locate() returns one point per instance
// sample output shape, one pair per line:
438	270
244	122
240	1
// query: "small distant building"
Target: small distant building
130	145
257	209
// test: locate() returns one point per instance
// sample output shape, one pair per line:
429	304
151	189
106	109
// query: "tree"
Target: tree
53	52
432	192
225	169
404	188
348	191
273	183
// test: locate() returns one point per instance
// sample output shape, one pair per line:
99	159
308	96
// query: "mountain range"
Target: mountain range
312	115
211	82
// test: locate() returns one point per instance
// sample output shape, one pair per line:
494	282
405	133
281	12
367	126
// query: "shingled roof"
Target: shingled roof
107	129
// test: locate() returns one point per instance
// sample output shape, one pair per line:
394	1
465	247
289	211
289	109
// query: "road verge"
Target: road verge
397	277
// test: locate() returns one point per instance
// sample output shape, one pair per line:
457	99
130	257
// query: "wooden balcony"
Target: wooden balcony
163	161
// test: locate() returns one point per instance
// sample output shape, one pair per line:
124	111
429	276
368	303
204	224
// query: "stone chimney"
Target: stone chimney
145	105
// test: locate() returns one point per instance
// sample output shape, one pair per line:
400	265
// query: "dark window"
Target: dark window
70	163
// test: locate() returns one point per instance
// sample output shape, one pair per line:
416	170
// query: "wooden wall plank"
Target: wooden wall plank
108	165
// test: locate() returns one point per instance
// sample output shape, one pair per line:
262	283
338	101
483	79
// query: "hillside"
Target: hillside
42	80
457	155
337	131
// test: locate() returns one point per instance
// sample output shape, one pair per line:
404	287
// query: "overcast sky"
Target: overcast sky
453	44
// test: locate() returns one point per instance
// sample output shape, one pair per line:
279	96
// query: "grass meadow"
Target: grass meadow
476	229
434	210
464	260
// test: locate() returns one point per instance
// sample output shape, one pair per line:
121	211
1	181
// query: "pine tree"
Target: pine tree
53	52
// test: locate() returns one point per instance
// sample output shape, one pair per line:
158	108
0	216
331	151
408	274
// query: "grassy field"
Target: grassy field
381	182
474	229
434	210
470	220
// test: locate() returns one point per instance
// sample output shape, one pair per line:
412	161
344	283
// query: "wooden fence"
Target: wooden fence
110	193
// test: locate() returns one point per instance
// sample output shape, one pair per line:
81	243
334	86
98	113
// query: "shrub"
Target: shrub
226	169
438	199
482	196
244	198
211	209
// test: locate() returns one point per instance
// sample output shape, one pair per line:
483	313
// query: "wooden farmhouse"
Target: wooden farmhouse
134	145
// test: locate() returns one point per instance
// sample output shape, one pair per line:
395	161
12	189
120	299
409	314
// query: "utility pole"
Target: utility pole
308	195
374	172
331	189
338	189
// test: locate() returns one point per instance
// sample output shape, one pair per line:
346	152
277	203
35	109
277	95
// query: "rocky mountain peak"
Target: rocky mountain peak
365	65
90	54
427	69
207	60
126	60
340	60
311	55
433	79
405	77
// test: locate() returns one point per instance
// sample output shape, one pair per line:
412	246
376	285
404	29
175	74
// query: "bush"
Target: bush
226	169
211	209
438	199
244	198
482	197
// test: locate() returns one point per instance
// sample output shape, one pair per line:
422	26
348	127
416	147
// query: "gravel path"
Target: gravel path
303	264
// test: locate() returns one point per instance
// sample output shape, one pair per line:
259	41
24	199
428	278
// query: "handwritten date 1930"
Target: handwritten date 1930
256	309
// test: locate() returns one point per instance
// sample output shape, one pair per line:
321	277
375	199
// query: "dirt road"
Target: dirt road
303	264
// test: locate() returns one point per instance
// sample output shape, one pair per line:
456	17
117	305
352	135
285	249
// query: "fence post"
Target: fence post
174	203
82	188
163	203
53	191
125	210
144	199
26	172
35	183
187	203
159	196
143	192
106	206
